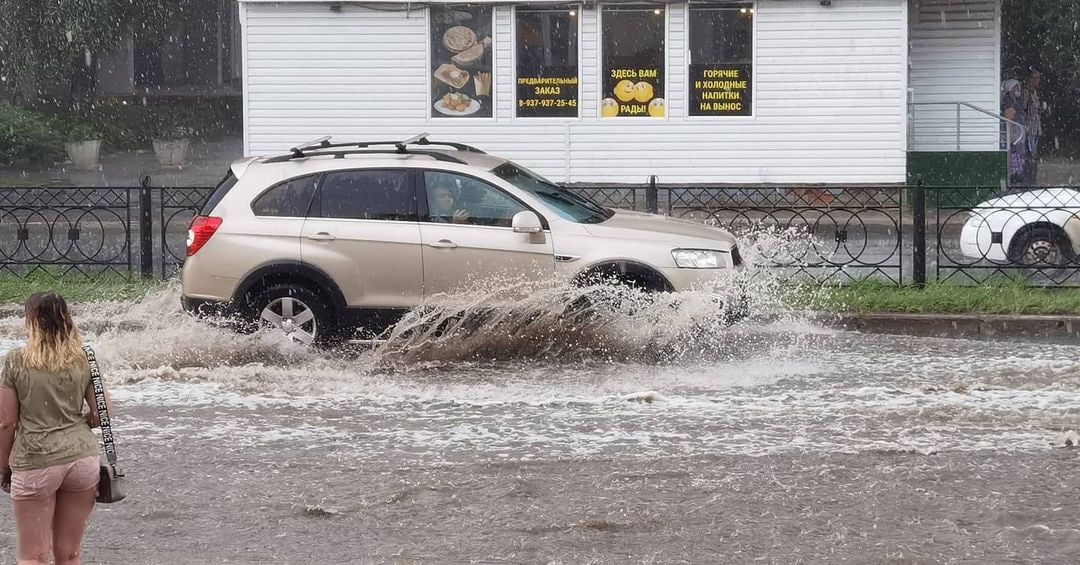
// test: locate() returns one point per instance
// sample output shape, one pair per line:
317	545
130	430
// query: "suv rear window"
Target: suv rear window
367	195
220	191
289	199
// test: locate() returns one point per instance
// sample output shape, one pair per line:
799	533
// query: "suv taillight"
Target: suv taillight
202	227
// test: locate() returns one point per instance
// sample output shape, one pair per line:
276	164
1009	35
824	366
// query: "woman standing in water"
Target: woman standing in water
46	445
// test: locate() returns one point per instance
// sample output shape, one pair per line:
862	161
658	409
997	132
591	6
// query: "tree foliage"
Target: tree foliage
44	40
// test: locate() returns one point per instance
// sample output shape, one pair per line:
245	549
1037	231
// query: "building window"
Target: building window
633	79
547	61
461	61
721	59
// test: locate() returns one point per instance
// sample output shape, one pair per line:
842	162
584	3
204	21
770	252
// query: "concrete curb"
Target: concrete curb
1050	329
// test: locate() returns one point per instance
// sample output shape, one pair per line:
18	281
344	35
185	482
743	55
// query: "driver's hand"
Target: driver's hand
460	216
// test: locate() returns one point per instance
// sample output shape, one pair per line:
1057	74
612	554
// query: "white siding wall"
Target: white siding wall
955	58
829	96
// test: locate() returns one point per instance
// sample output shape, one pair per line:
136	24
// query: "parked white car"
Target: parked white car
1035	228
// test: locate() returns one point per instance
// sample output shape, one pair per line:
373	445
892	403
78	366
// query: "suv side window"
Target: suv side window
459	199
367	195
288	199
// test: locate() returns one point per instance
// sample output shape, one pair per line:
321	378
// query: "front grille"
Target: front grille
736	259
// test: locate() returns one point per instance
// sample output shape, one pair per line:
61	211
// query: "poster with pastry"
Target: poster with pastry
461	61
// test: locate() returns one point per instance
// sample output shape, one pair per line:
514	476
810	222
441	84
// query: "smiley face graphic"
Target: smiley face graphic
624	90
609	108
643	92
658	108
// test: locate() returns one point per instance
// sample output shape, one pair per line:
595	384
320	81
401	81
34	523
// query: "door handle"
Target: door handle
443	244
321	236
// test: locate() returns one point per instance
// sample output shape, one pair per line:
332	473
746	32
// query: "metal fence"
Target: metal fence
1030	234
890	233
71	230
89	230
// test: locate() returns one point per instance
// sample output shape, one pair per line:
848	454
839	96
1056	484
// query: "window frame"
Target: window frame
432	115
600	61
264	192
425	216
513	66
316	198
753	74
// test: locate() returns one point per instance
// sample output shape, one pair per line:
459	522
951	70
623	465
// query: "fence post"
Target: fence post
652	205
146	230
918	244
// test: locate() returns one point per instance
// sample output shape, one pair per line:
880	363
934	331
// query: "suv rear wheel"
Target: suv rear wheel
302	315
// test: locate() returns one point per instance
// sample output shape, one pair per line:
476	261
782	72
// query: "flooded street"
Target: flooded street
772	442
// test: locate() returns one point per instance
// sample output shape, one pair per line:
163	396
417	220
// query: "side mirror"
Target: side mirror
526	222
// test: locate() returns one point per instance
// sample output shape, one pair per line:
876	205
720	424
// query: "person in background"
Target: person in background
1013	109
48	454
1029	98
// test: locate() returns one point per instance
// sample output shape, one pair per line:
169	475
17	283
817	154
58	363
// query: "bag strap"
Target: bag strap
102	406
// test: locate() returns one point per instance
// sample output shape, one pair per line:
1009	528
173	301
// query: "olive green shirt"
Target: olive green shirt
52	429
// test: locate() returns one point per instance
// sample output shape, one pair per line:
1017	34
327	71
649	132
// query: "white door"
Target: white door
468	242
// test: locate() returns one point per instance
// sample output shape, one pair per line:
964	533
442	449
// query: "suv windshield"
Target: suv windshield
569	205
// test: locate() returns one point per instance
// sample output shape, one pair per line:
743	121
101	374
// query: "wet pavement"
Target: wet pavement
776	442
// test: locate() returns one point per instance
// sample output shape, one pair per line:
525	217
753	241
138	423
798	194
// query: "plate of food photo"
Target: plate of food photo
457	104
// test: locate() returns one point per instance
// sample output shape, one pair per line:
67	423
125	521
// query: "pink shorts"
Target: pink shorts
81	474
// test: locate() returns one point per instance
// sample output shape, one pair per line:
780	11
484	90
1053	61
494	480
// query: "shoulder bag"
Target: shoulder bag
111	484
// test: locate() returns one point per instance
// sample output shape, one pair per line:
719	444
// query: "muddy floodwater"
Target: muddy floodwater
774	441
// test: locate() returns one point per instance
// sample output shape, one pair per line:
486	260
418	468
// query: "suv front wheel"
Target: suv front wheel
302	315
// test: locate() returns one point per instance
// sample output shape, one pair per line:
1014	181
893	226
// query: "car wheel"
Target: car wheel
1041	247
296	311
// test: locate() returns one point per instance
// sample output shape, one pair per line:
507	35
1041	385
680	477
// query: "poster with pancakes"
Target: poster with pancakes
462	80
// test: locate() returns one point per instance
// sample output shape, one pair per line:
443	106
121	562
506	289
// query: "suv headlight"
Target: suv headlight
699	258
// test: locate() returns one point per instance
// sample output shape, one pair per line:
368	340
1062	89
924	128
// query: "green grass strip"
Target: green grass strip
942	298
75	288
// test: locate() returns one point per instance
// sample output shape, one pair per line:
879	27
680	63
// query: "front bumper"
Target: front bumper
979	242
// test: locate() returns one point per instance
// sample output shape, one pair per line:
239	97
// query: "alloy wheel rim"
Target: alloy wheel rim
1042	251
293	317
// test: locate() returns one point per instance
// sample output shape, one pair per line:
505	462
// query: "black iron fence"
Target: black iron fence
88	230
1028	234
71	230
891	233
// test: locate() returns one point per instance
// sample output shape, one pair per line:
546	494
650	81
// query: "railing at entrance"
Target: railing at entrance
956	125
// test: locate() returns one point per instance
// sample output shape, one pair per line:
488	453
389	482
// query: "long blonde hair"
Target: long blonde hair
54	343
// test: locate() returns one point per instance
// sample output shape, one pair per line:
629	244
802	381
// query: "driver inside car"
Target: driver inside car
444	207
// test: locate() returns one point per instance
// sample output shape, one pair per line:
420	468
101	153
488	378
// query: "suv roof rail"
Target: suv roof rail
341	154
323	143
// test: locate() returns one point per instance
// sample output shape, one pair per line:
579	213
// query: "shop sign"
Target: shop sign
720	90
550	92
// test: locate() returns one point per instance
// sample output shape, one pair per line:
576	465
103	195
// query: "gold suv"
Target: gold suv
333	237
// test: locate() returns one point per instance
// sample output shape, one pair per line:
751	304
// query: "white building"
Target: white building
765	91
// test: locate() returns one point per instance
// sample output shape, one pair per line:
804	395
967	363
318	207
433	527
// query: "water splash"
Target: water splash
610	322
497	321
